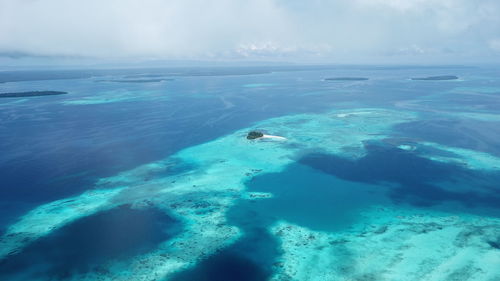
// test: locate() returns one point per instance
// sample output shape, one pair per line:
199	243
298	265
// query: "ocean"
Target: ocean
147	174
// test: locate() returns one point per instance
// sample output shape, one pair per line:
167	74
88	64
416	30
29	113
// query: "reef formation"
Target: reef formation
385	243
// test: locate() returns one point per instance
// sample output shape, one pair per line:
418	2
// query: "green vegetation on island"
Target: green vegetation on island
254	135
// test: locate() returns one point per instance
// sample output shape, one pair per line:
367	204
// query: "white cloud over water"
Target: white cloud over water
315	30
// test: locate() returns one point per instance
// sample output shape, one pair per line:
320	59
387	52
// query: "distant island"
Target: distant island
347	79
136	80
31	94
437	78
144	76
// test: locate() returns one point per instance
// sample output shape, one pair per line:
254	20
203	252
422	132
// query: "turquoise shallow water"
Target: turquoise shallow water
379	179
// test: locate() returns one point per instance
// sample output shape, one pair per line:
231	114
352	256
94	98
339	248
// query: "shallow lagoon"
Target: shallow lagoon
389	179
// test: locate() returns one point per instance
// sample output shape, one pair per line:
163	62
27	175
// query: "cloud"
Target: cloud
342	30
495	44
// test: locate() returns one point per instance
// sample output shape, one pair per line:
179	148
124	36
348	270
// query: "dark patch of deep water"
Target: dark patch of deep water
305	196
325	192
88	243
465	133
249	259
418	180
328	204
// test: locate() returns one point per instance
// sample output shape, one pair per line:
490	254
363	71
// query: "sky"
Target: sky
314	31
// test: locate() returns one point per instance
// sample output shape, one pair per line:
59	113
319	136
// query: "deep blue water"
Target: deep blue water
416	182
90	242
51	150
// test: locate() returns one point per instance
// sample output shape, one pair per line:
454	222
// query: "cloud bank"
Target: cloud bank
314	30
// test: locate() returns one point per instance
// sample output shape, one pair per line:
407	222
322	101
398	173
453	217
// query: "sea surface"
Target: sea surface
146	174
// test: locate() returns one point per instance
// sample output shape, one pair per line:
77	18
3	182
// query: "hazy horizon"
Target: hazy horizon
56	32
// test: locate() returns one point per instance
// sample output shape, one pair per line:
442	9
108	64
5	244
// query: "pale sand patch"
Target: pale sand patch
273	137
